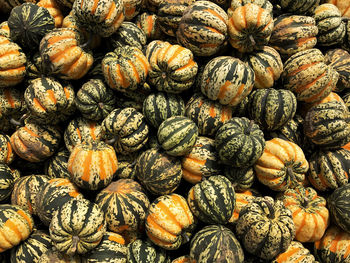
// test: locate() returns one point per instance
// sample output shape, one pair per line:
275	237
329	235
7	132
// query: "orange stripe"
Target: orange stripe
346	9
124	82
301	89
14	228
152	223
223	89
66	92
191	177
212	112
200	162
78	133
185	208
130	11
214	13
11	52
166	49
63	182
169	216
62	53
113	161
31	132
26	217
208	45
110	81
302	41
73	194
244	15
303	222
285	256
239	92
9	152
213	30
94	7
118	238
303	67
317	95
137	76
52	96
37	104
102	173
334	244
92	130
86	166
190	64
55	39
110	12
71	160
347	251
258	19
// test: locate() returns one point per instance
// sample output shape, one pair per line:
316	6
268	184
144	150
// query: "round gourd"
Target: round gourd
94	100
141	251
8	178
241	178
238	3
326	125
158	172
339	59
127	128
201	162
177	135
48	101
216	243
265	227
213	200
147	22
6	153
338	203
77	227
54	10
299	7
306	74
25	191
92	165
203	28
16	224
158	107
124	204
219	83
56	166
169	221
128	34
28	23
239	142
309	211
296	252
101	17
249	27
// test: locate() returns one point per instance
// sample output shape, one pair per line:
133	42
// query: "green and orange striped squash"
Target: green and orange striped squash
6	152
56	166
242	199
132	8
54	10
338	204
296	252
238	3
128	34
339	59
241	178
8	178
92	165
11	104
147	22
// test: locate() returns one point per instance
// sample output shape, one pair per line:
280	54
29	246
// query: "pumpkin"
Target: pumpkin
183	259
141	251
343	6
12	63
333	247
128	129
56	166
28	23
63	53
219	83
207	114
126	165
128	34
52	195
216	243
203	28
241	178
306	74
331	28
309	212
32	248
77	227
239	142
339	59
296	252
48	101
34	142
94	100
158	172
8	178
125	69
299	7
326	125
338	206
6	152
25	191
282	165
125	205
81	130
201	162
11	103
53	255
270	108
169	221
267	65
92	165
65	4
238	3
329	169
242	199
172	68
16	224
54	11
265	227
4	29
249	27
112	249
147	22
293	33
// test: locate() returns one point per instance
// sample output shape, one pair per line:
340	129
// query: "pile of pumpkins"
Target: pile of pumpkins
175	131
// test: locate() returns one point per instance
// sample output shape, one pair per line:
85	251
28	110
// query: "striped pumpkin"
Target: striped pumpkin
158	172
218	82
11	103
239	142
343	5
34	142
16	224
216	243
242	199
102	17
4	29
56	166
306	74
338	203
212	200
54	11
48	101
141	251
241	178
125	69
147	22
300	6
6	153
8	178
81	130
77	227
32	248
238	3
52	195
128	34
63	54
92	165
270	108
203	28
169	221
309	212
177	135
125	205
293	33
339	59
296	252
201	162
207	114
128	128
12	63
329	169
25	191
282	165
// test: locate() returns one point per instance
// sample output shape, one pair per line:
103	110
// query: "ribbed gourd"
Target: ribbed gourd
54	10
128	34
339	59
147	22
241	178
141	251
56	166
296	252
338	203
8	178
6	154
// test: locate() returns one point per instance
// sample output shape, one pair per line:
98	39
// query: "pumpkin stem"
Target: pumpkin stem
110	141
185	237
74	247
252	40
88	42
249	129
293	180
19	122
271	210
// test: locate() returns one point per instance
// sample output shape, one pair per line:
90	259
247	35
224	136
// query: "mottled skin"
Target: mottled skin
339	59
56	166
296	252
338	203
128	34
8	178
144	252
6	153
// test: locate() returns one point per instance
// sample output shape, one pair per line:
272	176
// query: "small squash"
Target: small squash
141	251
8	178
128	34
6	152
339	59
241	178
338	203
54	11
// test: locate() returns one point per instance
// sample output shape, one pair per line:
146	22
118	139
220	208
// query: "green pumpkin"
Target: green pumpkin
56	166
128	34
8	178
216	243
144	252
241	178
338	204
238	3
300	6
